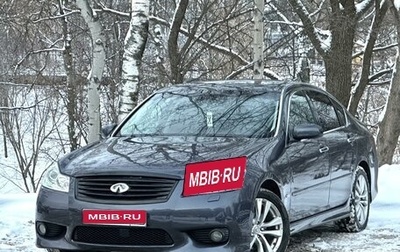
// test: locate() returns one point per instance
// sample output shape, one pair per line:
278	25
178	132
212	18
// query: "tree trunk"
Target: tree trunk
135	42
338	59
72	91
96	73
173	48
338	78
4	103
389	127
258	42
380	12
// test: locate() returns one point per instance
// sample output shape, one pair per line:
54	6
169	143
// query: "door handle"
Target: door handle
350	139
324	149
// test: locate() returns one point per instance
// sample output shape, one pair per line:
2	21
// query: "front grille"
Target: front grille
122	236
141	189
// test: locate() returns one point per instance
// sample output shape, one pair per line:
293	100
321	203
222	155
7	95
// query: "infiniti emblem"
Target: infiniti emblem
119	188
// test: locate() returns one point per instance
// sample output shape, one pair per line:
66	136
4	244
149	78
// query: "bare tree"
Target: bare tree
91	18
381	8
258	43
29	122
135	42
331	27
389	127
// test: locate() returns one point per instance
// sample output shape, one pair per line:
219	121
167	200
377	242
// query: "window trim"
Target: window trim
334	108
291	94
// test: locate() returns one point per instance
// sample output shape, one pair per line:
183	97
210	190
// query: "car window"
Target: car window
299	111
325	112
340	113
241	114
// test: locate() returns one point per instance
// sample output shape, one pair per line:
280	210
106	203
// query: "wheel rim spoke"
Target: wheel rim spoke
275	233
253	241
267	207
265	244
258	210
259	244
275	222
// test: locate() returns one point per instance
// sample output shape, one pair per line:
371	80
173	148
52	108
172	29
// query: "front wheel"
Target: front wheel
270	231
359	204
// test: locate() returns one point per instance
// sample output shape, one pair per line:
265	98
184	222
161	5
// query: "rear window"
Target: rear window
205	114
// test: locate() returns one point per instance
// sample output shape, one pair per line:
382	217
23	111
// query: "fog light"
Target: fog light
216	235
41	228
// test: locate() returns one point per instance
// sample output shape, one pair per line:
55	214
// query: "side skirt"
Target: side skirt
330	215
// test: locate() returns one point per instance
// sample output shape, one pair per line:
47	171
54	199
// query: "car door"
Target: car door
332	119
309	163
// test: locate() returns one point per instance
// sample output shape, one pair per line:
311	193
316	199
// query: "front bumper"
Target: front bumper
178	218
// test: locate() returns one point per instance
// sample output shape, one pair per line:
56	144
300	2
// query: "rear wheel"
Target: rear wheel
359	204
270	231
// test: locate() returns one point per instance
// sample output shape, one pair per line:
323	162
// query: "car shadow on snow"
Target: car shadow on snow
310	240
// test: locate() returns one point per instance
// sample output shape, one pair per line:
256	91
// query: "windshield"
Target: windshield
205	114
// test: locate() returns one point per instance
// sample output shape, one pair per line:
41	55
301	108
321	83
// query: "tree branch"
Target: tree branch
309	27
56	17
380	74
376	49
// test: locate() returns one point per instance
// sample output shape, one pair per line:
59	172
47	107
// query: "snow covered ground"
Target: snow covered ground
17	232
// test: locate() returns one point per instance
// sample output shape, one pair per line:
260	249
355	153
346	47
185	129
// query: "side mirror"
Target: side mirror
303	131
107	130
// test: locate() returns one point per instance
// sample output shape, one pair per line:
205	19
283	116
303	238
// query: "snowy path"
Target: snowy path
17	232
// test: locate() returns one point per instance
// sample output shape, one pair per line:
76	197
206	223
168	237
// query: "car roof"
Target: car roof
255	86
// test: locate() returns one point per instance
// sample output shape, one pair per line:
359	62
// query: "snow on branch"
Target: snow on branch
231	15
376	49
198	38
380	74
239	71
15	84
318	9
16	108
104	8
268	73
291	24
285	20
202	41
36	52
321	46
363	6
271	74
397	4
379	83
56	17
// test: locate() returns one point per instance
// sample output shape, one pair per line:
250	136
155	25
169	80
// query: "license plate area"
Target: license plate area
114	217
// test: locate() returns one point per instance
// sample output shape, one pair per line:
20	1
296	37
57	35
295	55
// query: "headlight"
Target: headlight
53	179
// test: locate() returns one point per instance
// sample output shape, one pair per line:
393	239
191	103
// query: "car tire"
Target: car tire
359	204
270	224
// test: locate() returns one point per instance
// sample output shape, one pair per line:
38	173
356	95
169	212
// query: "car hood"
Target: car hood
156	155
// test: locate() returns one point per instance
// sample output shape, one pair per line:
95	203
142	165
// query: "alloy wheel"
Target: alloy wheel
268	229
